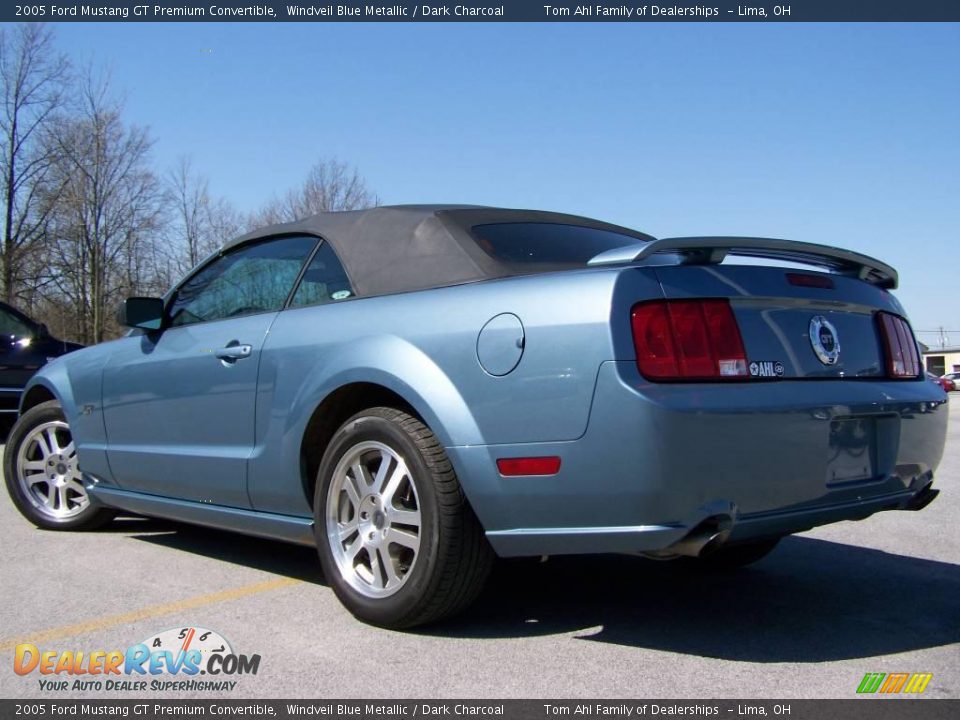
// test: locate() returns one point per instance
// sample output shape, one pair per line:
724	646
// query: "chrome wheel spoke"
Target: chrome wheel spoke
51	496
347	530
52	442
69	451
77	487
393	579
404	538
361	477
353	548
397	477
32	480
377	483
63	498
43	445
35	465
376	571
405	517
350	488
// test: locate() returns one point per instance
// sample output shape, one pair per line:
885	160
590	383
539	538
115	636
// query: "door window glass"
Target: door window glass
252	279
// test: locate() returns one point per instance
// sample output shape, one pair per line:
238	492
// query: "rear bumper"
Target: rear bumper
656	461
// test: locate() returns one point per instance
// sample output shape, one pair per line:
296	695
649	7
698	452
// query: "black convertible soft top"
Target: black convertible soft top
400	248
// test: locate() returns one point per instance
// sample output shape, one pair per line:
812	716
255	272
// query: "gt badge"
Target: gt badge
824	340
766	368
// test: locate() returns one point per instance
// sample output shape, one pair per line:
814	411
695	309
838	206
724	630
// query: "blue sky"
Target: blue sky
844	134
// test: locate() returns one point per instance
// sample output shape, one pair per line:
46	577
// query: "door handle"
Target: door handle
233	352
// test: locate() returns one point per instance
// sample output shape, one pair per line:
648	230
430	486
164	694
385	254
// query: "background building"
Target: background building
940	361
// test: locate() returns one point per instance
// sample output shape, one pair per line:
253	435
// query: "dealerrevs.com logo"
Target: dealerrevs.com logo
173	660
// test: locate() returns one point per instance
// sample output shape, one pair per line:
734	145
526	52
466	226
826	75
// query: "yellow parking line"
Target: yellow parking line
147	613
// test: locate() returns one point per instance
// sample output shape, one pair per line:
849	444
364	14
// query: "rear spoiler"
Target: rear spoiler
712	251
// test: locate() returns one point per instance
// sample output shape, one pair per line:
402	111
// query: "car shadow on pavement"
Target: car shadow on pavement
294	561
809	601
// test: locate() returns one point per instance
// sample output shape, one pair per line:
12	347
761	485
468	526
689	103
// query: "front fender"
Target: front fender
53	381
75	380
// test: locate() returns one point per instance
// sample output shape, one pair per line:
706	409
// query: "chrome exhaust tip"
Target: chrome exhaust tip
706	536
697	544
922	498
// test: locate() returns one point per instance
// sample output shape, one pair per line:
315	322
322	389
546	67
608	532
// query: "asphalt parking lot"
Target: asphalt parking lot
808	621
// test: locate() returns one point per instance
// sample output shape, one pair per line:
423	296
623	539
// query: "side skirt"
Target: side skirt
248	522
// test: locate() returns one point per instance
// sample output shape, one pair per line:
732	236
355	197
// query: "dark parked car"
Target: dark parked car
25	347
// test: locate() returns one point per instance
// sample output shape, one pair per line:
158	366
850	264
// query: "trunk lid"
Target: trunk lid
794	323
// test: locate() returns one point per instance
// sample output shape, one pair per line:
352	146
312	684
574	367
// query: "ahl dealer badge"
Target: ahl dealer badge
824	340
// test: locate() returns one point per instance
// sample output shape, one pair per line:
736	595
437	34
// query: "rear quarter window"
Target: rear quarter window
547	244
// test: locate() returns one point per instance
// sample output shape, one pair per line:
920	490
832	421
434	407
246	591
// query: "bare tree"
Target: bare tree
33	78
330	185
202	222
106	210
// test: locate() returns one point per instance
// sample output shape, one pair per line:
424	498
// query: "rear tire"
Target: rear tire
42	475
398	542
732	557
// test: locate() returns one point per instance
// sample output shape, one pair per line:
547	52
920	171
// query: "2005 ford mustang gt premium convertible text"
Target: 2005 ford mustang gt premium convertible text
417	389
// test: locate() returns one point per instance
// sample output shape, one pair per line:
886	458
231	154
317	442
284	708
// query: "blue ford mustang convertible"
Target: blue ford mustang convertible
415	390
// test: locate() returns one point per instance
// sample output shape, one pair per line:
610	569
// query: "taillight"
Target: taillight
688	340
903	360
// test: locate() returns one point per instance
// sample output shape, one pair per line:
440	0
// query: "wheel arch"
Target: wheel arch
429	395
35	396
48	384
335	409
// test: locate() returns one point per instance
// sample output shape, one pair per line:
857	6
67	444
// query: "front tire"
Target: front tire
399	544
42	475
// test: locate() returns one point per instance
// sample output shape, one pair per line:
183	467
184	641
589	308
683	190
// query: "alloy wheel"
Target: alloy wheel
373	519
48	472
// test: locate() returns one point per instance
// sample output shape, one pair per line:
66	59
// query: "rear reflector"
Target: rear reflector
688	340
511	467
815	281
903	360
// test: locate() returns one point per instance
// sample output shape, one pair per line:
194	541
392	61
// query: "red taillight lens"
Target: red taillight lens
903	360
688	340
653	340
513	467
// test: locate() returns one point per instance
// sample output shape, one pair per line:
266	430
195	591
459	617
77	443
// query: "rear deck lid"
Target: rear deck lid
795	323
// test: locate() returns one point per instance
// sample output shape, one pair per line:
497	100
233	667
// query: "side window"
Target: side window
324	281
253	279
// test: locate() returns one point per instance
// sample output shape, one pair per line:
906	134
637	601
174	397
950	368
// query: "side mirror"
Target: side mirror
145	313
43	332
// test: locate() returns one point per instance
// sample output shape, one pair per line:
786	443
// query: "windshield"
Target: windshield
10	324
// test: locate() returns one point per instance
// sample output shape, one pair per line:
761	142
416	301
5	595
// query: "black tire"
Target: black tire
90	517
454	557
732	557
